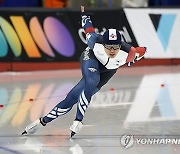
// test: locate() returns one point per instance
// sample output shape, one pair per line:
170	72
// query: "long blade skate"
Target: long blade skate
76	127
32	128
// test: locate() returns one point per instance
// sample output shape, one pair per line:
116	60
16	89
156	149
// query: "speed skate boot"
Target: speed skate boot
33	127
140	53
76	127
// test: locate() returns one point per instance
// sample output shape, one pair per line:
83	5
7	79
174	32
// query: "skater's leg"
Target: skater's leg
104	78
90	70
60	109
66	105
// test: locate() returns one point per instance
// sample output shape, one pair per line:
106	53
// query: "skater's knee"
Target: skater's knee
72	97
91	83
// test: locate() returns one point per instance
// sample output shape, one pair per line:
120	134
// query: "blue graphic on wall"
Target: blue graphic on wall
163	25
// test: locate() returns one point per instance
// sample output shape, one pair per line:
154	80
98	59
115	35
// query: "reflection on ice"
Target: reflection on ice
154	102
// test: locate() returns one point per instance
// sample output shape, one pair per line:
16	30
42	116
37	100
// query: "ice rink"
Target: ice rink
140	101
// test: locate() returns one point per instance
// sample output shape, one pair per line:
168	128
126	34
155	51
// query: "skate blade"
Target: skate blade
72	134
24	133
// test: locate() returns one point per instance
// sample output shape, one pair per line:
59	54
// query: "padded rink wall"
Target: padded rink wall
46	39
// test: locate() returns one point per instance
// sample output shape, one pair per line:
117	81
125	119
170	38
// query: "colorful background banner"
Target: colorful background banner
51	35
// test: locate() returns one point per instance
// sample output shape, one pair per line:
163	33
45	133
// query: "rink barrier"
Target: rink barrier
76	65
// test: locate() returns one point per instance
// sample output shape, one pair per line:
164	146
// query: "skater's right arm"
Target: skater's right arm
91	36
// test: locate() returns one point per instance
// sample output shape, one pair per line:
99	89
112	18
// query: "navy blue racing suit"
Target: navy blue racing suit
97	69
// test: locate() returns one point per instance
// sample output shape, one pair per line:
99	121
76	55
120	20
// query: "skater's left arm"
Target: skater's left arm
91	36
86	22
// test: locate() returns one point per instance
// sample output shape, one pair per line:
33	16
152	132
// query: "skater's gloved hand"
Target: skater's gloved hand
140	52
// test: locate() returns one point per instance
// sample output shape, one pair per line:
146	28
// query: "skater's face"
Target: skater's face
111	50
